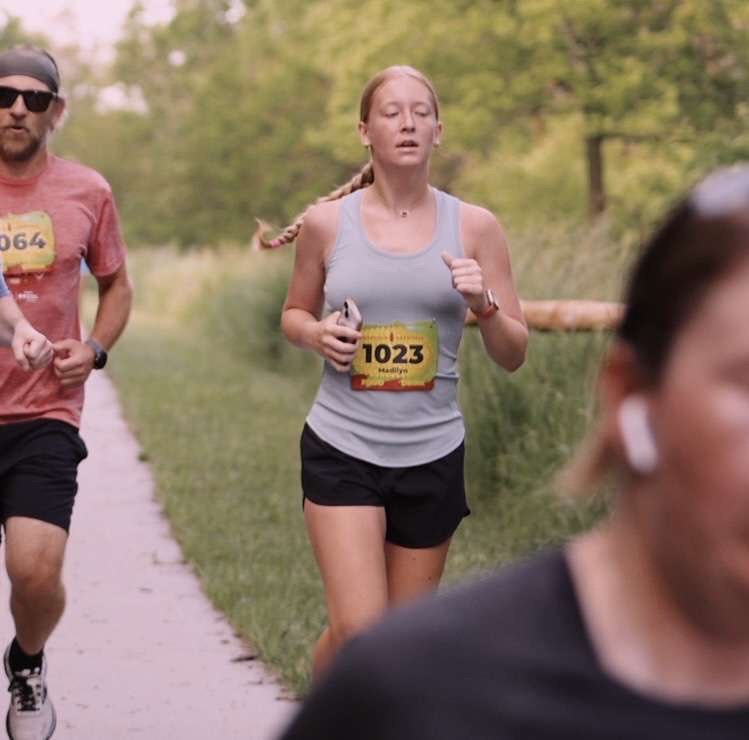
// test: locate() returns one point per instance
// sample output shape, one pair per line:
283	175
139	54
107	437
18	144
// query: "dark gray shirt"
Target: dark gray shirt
507	658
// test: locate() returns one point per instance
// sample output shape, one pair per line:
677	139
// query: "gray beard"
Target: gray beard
14	154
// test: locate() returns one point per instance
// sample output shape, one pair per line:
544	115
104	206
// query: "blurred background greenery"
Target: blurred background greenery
575	122
555	111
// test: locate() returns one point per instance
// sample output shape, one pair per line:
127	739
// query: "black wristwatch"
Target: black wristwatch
100	354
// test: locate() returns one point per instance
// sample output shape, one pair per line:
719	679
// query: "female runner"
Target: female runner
382	450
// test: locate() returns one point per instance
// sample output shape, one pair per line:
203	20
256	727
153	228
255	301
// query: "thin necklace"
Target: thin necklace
404	212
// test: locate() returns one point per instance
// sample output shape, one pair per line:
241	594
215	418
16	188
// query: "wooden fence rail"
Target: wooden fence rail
569	315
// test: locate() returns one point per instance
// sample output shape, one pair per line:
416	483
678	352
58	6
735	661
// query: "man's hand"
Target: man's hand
73	363
31	348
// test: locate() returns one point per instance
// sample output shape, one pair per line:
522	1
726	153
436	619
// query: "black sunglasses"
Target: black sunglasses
36	101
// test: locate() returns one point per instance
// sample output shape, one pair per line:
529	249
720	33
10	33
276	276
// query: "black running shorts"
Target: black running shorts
424	504
38	470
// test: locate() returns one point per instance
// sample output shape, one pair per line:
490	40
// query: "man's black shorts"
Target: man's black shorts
424	504
38	470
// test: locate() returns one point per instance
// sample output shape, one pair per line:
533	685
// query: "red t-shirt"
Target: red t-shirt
47	225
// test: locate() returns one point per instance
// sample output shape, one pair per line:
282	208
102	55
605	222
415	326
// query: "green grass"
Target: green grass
217	399
520	429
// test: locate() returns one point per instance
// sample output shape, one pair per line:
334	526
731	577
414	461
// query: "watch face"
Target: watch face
491	304
100	359
100	354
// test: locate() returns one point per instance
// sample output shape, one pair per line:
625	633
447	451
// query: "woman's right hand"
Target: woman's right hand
335	343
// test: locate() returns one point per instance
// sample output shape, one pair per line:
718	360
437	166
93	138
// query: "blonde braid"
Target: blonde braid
361	179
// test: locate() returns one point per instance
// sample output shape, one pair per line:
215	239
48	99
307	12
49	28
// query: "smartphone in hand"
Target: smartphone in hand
350	316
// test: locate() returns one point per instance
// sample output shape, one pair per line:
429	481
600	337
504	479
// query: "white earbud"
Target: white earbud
637	436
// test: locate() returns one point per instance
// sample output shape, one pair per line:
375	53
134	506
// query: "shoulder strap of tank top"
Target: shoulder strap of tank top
348	215
349	218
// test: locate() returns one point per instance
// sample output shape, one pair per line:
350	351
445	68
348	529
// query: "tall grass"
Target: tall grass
218	398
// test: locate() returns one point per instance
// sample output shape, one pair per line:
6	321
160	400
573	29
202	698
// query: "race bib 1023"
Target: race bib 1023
396	357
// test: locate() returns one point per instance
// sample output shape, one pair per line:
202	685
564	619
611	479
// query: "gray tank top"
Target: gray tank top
395	428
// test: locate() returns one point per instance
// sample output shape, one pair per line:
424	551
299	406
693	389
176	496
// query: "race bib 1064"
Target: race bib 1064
27	243
396	357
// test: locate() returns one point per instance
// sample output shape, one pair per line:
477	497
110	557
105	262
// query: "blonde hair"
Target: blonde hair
361	179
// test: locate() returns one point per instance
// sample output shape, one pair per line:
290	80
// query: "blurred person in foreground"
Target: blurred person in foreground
53	214
640	627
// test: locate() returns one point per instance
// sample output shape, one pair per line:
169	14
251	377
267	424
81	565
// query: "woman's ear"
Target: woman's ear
623	391
621	435
364	134
621	375
438	130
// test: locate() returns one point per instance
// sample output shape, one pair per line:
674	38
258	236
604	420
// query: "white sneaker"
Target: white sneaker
31	715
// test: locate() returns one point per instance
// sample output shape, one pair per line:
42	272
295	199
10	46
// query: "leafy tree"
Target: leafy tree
553	109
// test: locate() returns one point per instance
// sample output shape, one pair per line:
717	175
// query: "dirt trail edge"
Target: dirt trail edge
140	652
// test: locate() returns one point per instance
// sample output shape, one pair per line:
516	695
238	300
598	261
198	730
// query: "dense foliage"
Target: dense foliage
555	111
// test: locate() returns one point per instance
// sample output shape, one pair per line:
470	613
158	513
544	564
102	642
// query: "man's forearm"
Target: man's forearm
115	302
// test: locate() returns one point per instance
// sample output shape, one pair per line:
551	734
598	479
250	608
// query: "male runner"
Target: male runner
53	214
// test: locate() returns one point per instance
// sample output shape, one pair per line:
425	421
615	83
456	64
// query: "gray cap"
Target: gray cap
31	62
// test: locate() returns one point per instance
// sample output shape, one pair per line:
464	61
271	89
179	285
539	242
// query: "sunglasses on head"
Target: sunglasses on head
36	101
723	192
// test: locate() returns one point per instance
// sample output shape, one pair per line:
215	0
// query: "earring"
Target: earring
637	436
